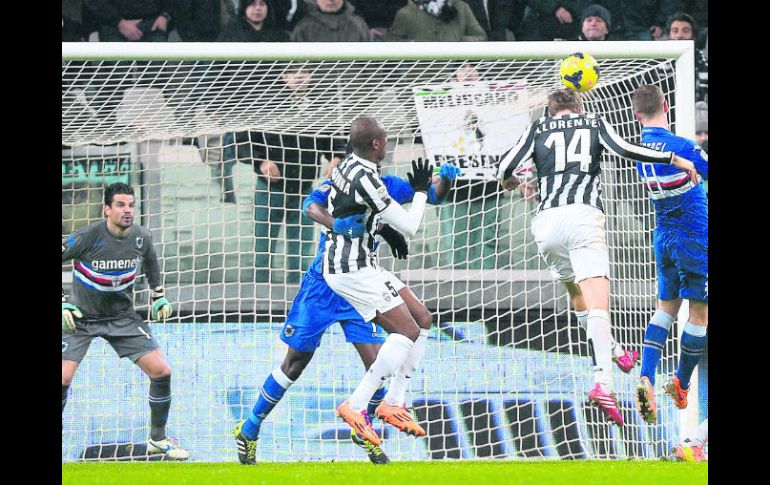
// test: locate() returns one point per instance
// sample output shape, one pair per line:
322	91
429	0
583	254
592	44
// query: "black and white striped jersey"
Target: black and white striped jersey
356	189
566	152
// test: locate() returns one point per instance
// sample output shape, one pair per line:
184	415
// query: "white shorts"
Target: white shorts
573	242
369	290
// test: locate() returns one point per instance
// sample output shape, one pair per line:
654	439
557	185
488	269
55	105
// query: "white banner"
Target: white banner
471	125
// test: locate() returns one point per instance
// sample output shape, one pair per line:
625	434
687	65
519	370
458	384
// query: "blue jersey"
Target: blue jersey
679	204
398	189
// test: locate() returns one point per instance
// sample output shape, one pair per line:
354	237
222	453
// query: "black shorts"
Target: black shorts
130	337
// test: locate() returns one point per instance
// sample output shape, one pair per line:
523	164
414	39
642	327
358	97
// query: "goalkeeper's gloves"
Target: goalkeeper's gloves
69	313
421	175
161	308
351	226
449	171
396	241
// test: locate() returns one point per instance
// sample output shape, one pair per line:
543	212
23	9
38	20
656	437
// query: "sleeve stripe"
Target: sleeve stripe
519	153
617	145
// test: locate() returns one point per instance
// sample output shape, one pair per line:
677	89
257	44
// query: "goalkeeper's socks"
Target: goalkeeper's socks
273	389
598	331
390	358
376	399
654	341
160	403
691	348
64	390
397	391
582	318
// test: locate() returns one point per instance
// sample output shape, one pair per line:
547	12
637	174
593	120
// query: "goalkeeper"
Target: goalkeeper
316	308
106	255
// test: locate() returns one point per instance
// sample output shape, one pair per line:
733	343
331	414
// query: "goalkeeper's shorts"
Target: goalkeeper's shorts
315	308
131	337
682	262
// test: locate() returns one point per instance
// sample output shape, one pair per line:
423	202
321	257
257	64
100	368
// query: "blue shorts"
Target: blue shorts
682	265
316	308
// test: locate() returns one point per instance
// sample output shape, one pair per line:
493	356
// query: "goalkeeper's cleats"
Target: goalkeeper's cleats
687	452
360	423
674	389
627	361
168	448
247	449
608	403
69	313
645	400
376	455
400	418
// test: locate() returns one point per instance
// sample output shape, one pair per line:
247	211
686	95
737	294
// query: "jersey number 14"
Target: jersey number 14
581	139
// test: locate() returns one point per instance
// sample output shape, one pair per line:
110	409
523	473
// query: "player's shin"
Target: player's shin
582	318
391	356
654	341
273	389
598	331
398	384
160	403
691	346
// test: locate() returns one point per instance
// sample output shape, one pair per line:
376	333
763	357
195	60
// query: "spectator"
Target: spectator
701	123
481	13
203	20
436	20
646	19
255	23
72	21
595	23
505	19
681	26
288	13
286	165
331	21
135	21
378	15
549	20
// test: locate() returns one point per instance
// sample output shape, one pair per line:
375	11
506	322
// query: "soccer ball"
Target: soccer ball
579	72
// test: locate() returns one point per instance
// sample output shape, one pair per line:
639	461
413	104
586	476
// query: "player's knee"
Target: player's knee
66	379
699	313
294	365
160	371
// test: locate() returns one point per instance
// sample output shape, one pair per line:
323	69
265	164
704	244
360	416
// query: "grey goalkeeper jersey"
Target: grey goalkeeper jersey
105	269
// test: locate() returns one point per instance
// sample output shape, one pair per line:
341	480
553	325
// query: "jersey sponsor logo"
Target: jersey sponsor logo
114	264
139	242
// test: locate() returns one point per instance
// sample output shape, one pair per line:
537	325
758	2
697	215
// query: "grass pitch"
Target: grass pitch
403	473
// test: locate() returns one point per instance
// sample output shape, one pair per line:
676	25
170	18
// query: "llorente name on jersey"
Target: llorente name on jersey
569	123
114	264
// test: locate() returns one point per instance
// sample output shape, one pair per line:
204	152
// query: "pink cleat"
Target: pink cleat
627	361
691	453
608	403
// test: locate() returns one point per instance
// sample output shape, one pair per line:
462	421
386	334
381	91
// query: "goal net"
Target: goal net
507	370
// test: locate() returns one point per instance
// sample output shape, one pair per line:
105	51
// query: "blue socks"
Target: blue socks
376	400
273	389
654	341
691	348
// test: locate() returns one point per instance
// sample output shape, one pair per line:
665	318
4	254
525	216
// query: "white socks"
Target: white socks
582	318
598	330
398	384
391	357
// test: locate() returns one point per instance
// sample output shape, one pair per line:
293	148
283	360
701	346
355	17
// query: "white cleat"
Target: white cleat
168	448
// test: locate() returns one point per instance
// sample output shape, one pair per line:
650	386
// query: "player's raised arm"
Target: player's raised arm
406	221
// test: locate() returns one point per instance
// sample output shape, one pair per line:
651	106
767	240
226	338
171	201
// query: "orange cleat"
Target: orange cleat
674	389
400	418
360	422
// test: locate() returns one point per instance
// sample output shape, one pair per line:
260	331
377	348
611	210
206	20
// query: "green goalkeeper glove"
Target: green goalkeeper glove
69	313
161	308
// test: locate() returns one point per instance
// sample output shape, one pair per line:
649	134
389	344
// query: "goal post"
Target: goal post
507	368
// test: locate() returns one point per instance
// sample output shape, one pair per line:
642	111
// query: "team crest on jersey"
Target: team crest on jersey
116	281
288	331
383	193
139	242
